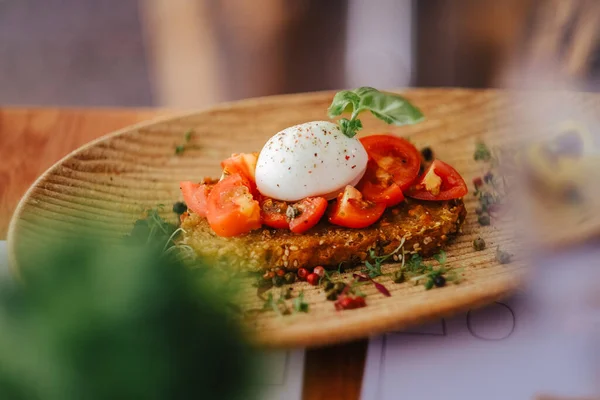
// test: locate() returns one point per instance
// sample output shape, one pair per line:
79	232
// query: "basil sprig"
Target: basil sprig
388	107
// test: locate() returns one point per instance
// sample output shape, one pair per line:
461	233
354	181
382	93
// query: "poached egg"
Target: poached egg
310	159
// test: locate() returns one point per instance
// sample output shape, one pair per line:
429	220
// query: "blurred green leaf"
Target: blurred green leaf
97	321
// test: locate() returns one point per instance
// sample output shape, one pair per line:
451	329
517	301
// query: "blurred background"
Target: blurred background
193	53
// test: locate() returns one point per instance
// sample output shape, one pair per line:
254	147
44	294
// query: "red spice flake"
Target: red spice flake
354	166
347	158
315	154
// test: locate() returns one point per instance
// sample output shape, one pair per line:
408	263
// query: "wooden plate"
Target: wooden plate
111	181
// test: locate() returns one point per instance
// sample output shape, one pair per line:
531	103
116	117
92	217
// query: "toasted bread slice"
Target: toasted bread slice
425	227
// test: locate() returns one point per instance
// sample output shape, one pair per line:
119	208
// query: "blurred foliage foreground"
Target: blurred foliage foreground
99	321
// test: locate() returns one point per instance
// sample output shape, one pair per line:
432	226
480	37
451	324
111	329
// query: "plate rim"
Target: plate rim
509	284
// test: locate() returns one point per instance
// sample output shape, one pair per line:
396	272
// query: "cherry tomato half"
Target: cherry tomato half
195	196
439	182
309	212
351	211
273	213
231	209
397	156
378	186
243	164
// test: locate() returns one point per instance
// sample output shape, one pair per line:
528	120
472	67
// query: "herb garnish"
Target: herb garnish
374	270
152	229
418	271
299	304
391	108
482	152
278	306
187	136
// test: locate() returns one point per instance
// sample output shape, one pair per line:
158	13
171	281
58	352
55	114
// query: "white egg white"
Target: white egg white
310	159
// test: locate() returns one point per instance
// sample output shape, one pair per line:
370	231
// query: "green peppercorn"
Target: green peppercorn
327	284
339	287
289	277
502	256
278	280
332	295
479	244
399	276
429	284
484	220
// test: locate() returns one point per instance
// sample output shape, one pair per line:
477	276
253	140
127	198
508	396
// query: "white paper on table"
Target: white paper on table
283	375
546	343
283	369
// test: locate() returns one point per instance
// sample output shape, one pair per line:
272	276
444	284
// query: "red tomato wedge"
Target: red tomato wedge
273	213
195	196
439	182
351	211
378	186
243	164
397	156
309	213
231	209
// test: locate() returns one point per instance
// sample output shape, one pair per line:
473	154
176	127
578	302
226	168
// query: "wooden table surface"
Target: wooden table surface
32	139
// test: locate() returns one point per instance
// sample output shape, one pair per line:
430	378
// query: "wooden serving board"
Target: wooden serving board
111	181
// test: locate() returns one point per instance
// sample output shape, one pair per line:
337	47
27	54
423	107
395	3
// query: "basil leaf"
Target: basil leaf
440	257
390	108
341	102
350	127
